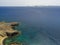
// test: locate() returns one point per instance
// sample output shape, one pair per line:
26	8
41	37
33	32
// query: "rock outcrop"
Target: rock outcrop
6	31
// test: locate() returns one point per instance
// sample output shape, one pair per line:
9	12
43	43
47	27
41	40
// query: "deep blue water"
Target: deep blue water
39	25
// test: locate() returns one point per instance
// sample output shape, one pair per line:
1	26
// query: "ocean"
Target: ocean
38	25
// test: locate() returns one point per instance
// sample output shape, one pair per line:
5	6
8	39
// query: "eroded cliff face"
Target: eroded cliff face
7	31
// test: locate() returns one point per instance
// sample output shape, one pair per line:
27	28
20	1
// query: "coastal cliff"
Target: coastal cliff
7	31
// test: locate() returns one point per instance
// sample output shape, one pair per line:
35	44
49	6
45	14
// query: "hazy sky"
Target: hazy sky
29	2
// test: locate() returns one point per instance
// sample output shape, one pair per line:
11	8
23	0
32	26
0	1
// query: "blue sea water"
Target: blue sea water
39	25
